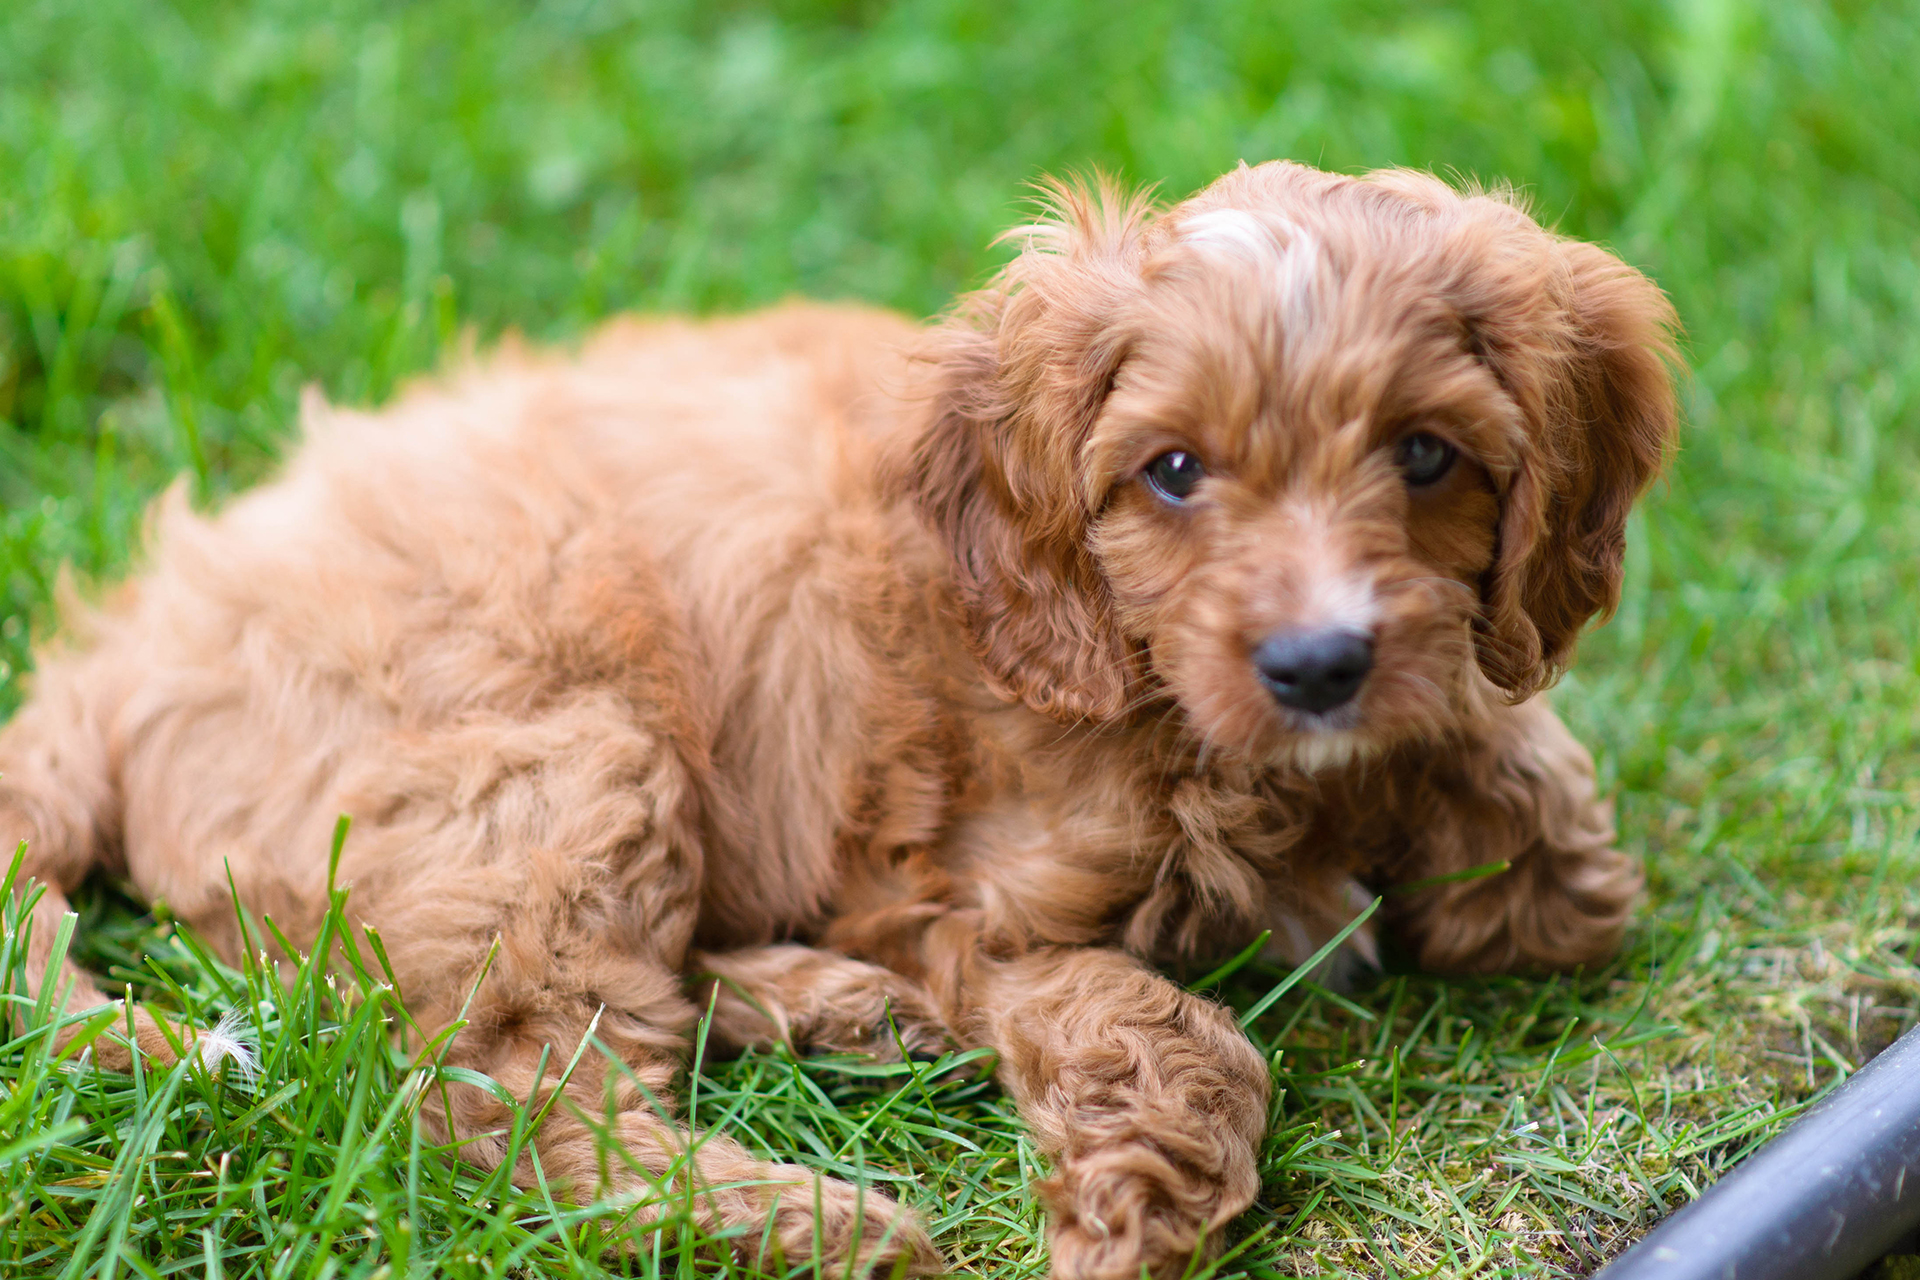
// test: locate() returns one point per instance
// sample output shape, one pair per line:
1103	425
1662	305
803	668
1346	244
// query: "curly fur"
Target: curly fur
848	676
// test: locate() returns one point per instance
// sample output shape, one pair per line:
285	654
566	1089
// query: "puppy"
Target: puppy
1203	565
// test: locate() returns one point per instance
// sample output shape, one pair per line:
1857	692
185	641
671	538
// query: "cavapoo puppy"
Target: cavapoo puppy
1203	567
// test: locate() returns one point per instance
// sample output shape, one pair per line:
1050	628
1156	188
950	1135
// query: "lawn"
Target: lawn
205	207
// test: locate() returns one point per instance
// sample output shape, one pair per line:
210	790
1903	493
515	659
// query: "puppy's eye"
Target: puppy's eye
1173	475
1424	458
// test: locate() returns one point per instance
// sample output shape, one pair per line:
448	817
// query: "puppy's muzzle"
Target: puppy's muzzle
1314	670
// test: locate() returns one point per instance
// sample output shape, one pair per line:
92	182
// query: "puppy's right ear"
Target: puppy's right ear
1022	369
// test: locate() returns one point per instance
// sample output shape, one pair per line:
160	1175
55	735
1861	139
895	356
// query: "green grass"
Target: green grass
206	207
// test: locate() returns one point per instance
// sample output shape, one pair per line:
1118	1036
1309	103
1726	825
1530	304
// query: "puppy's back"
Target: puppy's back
536	528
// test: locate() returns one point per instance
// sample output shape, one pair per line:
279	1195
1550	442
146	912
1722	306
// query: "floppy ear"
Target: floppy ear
1022	370
1591	374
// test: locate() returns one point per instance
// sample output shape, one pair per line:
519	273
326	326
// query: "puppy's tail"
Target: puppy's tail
60	798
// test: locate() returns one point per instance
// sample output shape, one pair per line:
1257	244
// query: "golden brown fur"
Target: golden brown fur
821	666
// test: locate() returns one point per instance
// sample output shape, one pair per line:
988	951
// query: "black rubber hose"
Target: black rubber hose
1819	1202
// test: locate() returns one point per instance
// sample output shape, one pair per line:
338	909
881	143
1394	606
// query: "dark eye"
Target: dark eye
1424	458
1173	475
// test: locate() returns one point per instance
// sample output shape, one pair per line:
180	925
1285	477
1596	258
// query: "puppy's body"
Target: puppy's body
868	671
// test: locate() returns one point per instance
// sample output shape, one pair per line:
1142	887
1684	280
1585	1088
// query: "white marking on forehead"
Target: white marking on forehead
1284	252
1230	230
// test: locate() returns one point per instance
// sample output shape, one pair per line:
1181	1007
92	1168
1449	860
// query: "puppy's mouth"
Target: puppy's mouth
1317	740
1316	677
1345	719
1316	693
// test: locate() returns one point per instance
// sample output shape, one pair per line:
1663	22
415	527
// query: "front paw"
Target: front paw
1123	1209
1579	910
1157	1161
1552	911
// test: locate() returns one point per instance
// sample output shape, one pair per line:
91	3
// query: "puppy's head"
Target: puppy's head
1306	453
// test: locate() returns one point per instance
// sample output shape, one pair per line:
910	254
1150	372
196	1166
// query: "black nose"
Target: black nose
1314	670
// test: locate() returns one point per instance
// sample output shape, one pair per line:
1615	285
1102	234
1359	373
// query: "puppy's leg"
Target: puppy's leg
564	843
817	1002
617	1141
1148	1099
59	792
1525	795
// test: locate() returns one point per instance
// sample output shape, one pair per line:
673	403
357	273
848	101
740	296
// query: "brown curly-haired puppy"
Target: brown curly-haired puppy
1198	567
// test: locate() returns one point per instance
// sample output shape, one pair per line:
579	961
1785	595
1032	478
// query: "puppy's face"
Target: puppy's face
1309	454
1299	472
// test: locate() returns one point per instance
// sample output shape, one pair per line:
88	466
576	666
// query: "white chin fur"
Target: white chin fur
1315	750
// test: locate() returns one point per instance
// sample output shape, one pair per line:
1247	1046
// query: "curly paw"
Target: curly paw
1126	1208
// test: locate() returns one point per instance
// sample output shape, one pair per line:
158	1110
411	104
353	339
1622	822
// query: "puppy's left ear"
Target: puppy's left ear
1592	372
